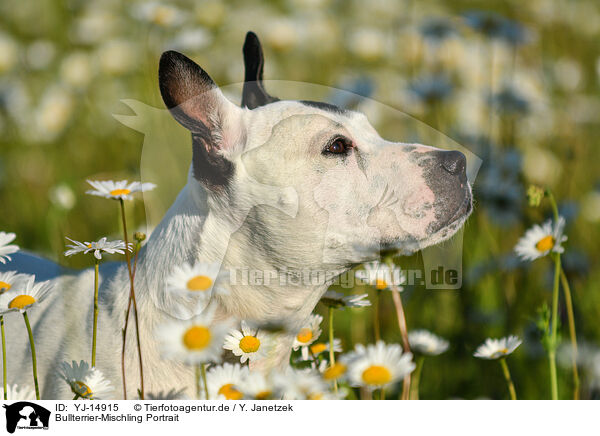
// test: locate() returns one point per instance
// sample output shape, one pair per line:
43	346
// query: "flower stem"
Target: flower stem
404	334
95	328
416	378
33	356
572	332
511	385
376	328
197	373
331	353
4	358
132	299
203	370
554	332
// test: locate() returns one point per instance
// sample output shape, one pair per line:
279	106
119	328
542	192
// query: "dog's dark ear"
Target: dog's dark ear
196	102
254	94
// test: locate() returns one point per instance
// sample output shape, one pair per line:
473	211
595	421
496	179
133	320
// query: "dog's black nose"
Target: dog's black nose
454	162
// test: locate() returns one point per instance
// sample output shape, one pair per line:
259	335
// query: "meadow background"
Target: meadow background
517	83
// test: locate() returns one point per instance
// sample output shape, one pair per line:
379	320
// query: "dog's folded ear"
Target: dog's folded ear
254	94
196	102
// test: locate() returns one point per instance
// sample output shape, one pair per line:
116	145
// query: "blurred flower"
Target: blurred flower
173	394
76	70
102	245
535	194
377	366
590	206
281	33
296	384
257	385
509	102
18	393
85	382
194	341
53	113
495	26
62	196
538	241
427	343
158	13
117	56
191	40
27	296
249	343
567	73
497	348
9	53
40	54
6	247
381	276
94	26
335	372
309	333
224	381
320	347
339	300
432	89
437	29
367	43
121	190
541	166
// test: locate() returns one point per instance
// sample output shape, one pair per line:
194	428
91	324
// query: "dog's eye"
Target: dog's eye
339	146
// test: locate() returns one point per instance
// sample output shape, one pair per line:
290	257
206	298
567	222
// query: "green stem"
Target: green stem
416	378
554	332
382	394
33	356
95	328
331	353
4	380
203	370
132	300
511	385
572	332
376	328
197	371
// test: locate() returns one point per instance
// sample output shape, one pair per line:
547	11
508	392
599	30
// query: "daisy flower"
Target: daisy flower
224	381
198	281
6	247
18	393
28	295
309	333
426	343
257	386
193	341
85	382
381	276
121	190
249	343
339	300
497	348
110	247
377	366
173	394
11	279
301	385
538	241
334	372
320	347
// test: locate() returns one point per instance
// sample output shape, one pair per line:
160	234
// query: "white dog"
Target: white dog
273	185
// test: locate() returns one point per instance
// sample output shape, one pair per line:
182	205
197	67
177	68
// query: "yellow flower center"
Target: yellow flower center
230	393
21	302
199	283
264	395
318	348
89	245
250	344
376	375
503	351
116	192
305	335
316	396
4	287
196	338
335	371
545	244
380	284
83	390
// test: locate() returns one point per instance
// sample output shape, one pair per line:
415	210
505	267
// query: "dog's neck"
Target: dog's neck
190	232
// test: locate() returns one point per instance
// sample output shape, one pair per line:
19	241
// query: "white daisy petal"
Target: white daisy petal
497	348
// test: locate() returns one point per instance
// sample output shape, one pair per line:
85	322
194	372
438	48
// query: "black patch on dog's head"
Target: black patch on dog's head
324	106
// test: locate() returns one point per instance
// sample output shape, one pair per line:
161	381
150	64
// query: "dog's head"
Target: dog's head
355	191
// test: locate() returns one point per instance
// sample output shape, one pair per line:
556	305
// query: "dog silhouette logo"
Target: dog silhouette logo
25	415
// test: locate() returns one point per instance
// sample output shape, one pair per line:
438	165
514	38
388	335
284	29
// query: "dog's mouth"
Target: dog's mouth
448	227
